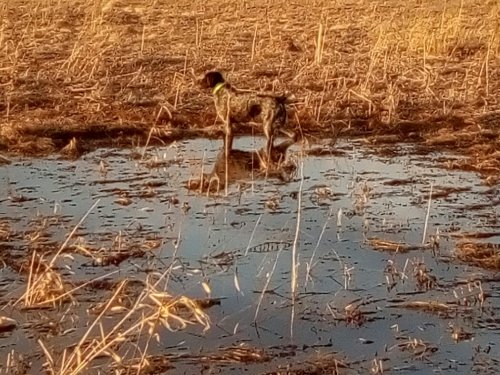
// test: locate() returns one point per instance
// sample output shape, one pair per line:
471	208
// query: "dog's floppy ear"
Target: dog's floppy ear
212	78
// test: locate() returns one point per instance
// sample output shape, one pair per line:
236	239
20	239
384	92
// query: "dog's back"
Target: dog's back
247	107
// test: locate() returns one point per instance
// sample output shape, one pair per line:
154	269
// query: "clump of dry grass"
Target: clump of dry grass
352	313
122	247
424	279
418	348
392	246
328	364
152	364
45	284
15	363
485	255
242	353
71	150
5	230
152	309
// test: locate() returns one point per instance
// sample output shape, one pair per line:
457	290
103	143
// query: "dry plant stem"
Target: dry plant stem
253	42
322	98
311	264
144	350
319	44
226	173
270	275
72	291
293	287
342	265
65	243
27	294
47	354
142	39
77	355
253	234
228	143
168	271
202	176
147	142
427	215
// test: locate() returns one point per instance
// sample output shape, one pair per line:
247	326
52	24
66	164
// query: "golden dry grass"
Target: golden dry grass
485	255
152	309
113	69
5	230
391	246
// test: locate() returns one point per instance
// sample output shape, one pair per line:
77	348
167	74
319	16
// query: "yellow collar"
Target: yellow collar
218	87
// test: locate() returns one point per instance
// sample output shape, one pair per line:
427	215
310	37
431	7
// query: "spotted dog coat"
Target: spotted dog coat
235	106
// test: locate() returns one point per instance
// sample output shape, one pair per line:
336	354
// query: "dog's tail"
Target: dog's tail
289	98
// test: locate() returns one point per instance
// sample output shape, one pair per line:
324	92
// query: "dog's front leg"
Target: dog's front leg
228	137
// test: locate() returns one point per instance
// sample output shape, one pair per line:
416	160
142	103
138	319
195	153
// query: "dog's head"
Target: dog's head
211	79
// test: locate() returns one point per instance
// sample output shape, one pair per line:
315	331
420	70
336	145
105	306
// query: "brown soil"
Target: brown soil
119	73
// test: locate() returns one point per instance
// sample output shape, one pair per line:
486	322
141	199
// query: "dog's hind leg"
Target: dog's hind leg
291	134
269	133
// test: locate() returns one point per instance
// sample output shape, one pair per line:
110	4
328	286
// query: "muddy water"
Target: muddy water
348	304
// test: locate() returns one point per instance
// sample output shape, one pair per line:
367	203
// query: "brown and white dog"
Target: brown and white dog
237	106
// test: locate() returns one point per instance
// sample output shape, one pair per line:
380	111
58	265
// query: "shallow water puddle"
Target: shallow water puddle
366	276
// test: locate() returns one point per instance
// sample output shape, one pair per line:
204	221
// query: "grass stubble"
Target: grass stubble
76	74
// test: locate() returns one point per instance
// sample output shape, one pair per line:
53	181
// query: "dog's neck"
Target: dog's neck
218	87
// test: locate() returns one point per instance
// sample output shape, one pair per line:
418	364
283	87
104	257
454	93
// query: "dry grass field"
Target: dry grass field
110	71
80	74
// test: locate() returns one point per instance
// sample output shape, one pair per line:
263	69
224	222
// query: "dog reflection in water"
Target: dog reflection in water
242	165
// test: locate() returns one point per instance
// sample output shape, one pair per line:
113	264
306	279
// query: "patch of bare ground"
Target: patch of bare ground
108	72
